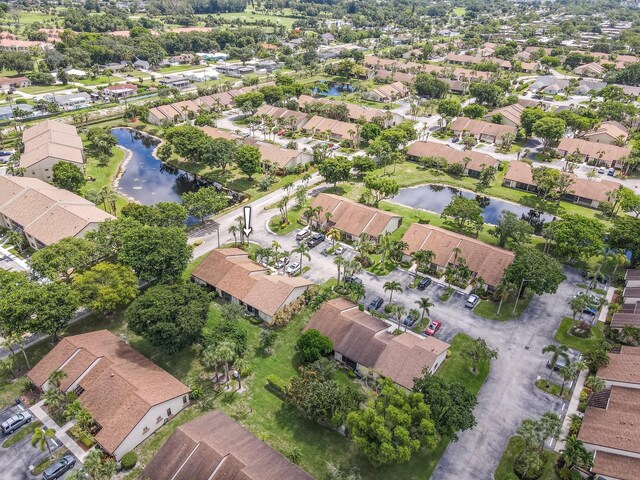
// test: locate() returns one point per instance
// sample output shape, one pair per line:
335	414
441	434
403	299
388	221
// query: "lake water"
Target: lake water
146	179
435	198
335	89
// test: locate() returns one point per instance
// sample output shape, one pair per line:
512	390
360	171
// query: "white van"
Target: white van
303	233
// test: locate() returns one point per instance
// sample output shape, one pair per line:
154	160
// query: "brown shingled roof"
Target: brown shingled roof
623	366
616	466
451	155
215	447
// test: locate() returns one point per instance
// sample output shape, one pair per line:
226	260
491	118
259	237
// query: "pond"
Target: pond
334	89
146	179
435	198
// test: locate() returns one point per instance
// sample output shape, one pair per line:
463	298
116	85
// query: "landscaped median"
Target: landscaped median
511	453
20	434
489	308
593	335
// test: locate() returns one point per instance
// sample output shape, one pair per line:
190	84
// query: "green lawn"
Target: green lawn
40	89
295	215
100	80
581	344
457	367
459	11
251	17
511	452
489	308
553	389
180	68
103	175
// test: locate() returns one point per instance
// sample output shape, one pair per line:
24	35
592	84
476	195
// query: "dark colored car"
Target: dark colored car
375	304
424	283
410	321
590	310
353	280
12	424
561	362
59	468
316	240
433	327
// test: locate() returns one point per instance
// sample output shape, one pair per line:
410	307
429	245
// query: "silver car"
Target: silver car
472	301
293	268
12	424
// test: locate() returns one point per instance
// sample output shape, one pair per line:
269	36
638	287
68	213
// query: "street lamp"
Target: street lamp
519	293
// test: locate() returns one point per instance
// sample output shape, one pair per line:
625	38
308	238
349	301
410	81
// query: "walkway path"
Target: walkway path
61	433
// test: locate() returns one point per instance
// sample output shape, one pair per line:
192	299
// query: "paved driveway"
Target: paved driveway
16	460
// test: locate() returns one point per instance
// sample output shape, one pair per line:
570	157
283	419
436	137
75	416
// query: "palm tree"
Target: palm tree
550	426
233	230
503	290
240	365
41	439
212	359
339	262
574	453
424	304
227	353
595	384
385	244
303	250
392	286
56	377
423	257
276	246
557	351
334	235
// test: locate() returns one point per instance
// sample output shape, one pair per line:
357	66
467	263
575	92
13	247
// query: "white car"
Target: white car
472	301
340	250
293	268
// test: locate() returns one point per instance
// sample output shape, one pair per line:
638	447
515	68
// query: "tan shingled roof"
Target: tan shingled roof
595	150
231	270
486	261
451	155
616	466
60	138
365	340
46	125
54	150
121	387
215	447
352	217
480	127
623	366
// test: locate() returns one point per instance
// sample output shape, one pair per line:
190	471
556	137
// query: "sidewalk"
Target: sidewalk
571	409
14	258
604	311
61	433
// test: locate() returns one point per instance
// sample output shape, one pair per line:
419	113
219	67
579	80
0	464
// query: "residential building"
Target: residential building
610	133
291	118
68	101
387	93
127	395
216	447
336	129
510	115
481	130
238	279
122	90
357	112
472	161
48	143
43	213
588	193
13	83
485	261
203	75
592	69
352	218
18	110
174	81
13	45
368	345
600	153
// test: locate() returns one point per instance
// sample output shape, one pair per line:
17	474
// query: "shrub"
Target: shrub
129	460
529	465
277	385
312	346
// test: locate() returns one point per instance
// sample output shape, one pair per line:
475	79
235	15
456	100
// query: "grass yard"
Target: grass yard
181	68
581	344
553	389
459	11
40	89
103	175
295	214
489	308
100	80
457	367
511	452
22	433
252	17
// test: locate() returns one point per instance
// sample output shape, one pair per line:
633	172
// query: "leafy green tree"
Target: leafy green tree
529	118
625	235
474	110
430	86
381	187
486	177
95	467
41	438
249	160
106	286
54	306
162	214
596	357
312	346
188	142
393	427
204	202
557	352
363	164
511	229
450	402
479	352
335	170
63	259
549	129
535	270
464	213
249	102
219	153
486	93
68	176
170	316
448	108
575	454
576	237
157	254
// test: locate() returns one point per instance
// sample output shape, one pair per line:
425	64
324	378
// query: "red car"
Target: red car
281	132
433	327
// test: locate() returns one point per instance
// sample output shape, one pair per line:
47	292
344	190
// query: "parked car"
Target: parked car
424	283
455	140
12	424
611	172
293	268
375	304
303	233
537	97
353	280
59	468
281	132
410	321
282	262
601	170
340	250
472	301
433	327
560	362
316	240
590	310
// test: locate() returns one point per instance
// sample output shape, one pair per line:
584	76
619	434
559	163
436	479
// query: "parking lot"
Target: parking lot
15	460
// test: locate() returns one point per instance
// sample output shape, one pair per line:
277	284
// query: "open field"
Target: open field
252	17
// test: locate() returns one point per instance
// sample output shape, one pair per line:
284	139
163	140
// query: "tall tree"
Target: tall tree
534	270
464	213
512	229
63	259
106	286
68	176
204	202
479	352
